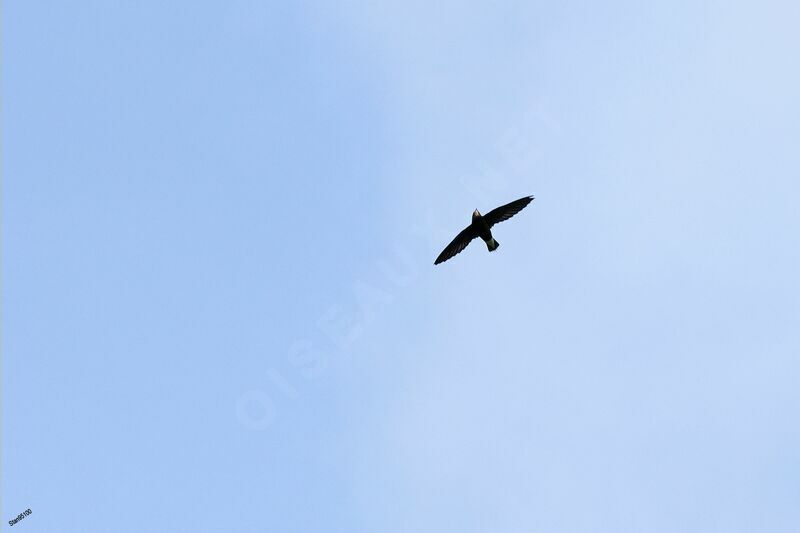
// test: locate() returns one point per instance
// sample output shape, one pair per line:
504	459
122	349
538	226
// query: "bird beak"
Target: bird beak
476	213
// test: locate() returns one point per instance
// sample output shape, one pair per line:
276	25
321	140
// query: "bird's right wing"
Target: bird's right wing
504	212
459	243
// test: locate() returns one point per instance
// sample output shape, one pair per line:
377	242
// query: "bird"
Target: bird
481	227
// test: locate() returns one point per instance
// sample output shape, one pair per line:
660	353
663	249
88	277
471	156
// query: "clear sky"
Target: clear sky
219	305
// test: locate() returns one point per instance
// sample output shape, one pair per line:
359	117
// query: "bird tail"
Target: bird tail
492	245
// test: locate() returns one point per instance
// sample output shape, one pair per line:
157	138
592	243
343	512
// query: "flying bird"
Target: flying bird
481	227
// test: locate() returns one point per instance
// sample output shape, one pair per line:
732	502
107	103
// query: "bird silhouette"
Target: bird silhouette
481	227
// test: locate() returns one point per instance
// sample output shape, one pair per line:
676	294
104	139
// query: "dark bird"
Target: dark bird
481	227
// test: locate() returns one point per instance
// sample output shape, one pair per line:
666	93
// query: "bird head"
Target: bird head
476	214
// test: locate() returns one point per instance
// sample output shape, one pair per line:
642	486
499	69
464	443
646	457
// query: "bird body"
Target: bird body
483	231
481	226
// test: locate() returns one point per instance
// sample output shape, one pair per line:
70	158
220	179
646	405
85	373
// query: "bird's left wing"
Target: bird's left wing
459	243
504	212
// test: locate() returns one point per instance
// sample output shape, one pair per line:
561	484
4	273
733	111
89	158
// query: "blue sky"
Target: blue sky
220	312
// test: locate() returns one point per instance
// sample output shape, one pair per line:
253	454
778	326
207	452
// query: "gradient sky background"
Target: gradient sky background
219	305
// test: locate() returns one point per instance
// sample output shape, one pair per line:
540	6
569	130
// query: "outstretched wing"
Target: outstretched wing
459	243
504	212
